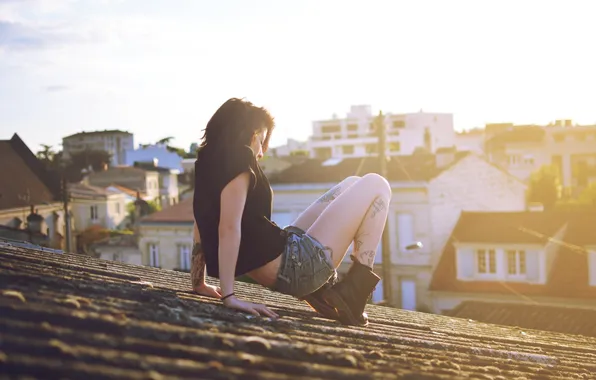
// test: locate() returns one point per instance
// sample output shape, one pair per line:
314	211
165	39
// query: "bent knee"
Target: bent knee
378	182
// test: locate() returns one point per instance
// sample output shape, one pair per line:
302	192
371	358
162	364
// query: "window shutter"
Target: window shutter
465	263
533	266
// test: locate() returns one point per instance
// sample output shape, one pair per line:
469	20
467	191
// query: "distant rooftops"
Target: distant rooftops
98	133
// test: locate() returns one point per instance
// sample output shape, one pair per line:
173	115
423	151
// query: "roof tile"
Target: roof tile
75	316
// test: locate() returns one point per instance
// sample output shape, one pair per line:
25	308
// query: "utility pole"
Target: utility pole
67	228
385	249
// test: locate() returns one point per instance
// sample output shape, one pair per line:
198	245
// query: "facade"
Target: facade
137	179
354	136
169	193
157	153
115	142
96	206
522	150
429	193
27	188
122	248
291	147
536	257
165	237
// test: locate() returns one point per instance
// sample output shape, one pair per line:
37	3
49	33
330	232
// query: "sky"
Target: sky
161	68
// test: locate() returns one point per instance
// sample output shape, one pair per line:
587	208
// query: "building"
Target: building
291	147
96	206
121	247
115	142
157	153
544	258
429	193
137	179
523	149
169	193
355	136
165	237
26	189
472	140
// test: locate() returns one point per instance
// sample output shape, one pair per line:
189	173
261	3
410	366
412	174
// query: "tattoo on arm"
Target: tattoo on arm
330	195
197	268
378	206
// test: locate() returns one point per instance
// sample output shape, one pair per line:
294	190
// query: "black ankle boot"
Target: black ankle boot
350	295
318	303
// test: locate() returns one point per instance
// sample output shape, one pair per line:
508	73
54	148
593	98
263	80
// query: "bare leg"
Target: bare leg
358	214
308	216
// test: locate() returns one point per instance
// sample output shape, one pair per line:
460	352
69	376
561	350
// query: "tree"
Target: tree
545	187
88	157
46	154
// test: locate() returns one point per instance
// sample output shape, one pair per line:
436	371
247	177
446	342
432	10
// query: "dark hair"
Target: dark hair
234	124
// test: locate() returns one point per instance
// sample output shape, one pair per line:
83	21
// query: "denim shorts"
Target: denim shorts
305	266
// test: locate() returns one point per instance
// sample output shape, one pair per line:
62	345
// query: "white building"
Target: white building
96	206
115	142
354	136
288	148
152	153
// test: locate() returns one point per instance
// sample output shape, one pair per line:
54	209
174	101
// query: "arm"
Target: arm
197	269
233	199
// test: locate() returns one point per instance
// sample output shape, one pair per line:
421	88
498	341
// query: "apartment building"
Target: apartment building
115	142
355	136
522	150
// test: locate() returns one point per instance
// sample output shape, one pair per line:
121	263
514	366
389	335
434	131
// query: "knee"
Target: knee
378	183
351	179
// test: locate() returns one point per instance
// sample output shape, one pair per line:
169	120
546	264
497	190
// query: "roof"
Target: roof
181	212
84	191
517	134
152	167
119	240
98	133
25	181
77	316
416	167
569	276
565	320
126	190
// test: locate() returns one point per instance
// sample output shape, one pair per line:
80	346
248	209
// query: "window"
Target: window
184	252
486	261
93	212
516	262
394	146
118	209
398	124
347	149
331	129
352	127
153	255
405	230
371	148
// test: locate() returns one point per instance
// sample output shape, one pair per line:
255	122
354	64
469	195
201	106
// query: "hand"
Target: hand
208	290
249	307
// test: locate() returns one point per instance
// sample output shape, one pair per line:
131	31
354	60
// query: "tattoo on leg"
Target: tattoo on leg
358	241
330	195
378	206
197	268
367	258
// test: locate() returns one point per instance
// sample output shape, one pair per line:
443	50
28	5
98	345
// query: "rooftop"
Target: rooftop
416	167
569	276
67	315
565	320
84	191
98	133
181	212
24	180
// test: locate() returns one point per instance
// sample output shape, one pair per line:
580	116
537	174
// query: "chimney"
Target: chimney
155	162
444	157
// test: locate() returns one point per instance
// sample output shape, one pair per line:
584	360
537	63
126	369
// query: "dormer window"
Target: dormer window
516	262
486	261
501	264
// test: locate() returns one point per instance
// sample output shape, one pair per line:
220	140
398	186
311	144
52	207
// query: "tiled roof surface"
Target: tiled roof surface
73	316
569	276
21	184
565	320
128	191
417	167
181	212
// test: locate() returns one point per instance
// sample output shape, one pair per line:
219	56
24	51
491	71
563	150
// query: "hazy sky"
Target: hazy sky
161	68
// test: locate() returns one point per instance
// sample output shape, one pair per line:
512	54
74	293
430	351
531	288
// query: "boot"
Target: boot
316	301
349	296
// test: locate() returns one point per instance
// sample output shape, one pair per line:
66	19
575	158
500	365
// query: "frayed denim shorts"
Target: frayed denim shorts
305	265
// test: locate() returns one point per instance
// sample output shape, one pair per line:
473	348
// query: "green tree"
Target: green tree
545	187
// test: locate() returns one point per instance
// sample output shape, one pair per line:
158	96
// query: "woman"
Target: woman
234	234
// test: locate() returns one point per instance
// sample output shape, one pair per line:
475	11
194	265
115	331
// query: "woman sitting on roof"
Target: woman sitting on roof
235	236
